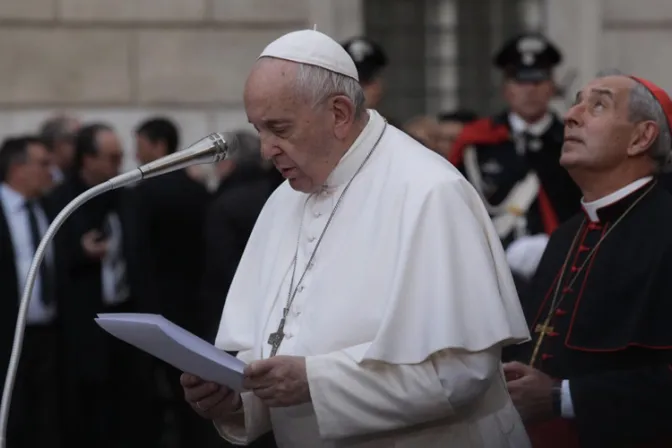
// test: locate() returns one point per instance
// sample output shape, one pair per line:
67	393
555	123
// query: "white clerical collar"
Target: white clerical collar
591	208
352	159
518	125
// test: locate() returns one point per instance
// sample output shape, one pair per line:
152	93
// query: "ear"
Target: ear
644	135
344	115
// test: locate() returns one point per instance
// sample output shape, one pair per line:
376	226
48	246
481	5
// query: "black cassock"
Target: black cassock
610	333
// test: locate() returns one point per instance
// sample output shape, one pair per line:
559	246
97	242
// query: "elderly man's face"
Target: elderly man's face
598	132
295	136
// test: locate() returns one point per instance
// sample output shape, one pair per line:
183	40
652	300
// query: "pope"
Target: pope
373	298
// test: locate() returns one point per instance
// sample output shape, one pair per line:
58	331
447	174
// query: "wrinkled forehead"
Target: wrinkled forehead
271	74
37	151
615	88
271	90
108	142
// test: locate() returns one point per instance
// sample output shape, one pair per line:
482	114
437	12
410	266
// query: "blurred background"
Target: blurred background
129	64
122	60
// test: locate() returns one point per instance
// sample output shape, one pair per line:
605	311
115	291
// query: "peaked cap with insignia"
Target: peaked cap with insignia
369	57
528	57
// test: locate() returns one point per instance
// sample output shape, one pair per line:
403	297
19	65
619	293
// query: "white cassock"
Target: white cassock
401	316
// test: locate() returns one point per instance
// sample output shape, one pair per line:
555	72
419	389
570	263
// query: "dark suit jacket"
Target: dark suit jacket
230	220
87	346
9	289
168	213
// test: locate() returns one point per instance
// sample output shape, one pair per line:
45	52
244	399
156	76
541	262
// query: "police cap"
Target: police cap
528	57
369	57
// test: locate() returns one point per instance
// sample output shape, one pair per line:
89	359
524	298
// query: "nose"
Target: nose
573	116
269	149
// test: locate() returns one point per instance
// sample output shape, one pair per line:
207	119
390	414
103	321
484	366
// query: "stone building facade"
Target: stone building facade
631	36
120	61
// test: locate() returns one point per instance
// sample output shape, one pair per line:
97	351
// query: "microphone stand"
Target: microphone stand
212	148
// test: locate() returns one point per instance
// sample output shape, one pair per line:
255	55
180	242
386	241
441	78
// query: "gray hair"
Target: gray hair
644	107
55	129
320	84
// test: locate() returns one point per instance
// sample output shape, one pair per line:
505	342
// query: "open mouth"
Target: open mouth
286	172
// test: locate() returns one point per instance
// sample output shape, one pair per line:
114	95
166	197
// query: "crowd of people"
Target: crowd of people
168	245
552	189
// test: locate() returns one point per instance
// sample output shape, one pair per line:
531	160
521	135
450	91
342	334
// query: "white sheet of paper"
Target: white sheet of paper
163	339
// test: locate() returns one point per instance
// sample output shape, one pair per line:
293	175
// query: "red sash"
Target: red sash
561	433
557	433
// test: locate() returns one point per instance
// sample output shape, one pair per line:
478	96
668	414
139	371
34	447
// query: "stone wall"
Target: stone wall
122	60
596	34
636	38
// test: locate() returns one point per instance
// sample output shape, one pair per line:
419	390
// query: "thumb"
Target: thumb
516	370
258	368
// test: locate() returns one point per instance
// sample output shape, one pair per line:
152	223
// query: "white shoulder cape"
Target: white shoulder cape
411	265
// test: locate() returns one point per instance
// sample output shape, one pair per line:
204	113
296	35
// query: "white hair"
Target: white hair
320	84
643	106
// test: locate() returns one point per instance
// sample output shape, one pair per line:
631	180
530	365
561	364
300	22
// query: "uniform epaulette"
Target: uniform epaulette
480	132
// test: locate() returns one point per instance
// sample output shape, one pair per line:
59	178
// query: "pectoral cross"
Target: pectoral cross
543	330
275	339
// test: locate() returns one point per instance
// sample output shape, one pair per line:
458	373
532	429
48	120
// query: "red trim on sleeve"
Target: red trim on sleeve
549	217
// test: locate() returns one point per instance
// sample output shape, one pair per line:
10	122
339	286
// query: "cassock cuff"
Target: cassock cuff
566	405
247	424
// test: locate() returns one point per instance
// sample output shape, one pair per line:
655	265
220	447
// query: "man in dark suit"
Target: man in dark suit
243	190
25	176
106	384
245	186
169	214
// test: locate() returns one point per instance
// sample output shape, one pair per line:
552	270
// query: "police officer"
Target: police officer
512	158
370	60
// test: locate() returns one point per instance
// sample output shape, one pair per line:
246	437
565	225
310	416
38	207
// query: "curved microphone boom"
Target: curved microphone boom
213	148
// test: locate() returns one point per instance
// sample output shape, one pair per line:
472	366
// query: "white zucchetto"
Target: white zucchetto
313	48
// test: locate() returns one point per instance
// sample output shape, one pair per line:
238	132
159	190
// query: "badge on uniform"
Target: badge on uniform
535	145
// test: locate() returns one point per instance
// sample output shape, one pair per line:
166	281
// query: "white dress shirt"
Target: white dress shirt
537	129
13	205
113	266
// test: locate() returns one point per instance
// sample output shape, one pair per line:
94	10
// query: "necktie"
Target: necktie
115	258
46	277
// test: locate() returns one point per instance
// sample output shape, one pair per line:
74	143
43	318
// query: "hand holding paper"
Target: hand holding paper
210	400
163	339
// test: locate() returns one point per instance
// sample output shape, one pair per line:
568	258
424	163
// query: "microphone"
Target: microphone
211	149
